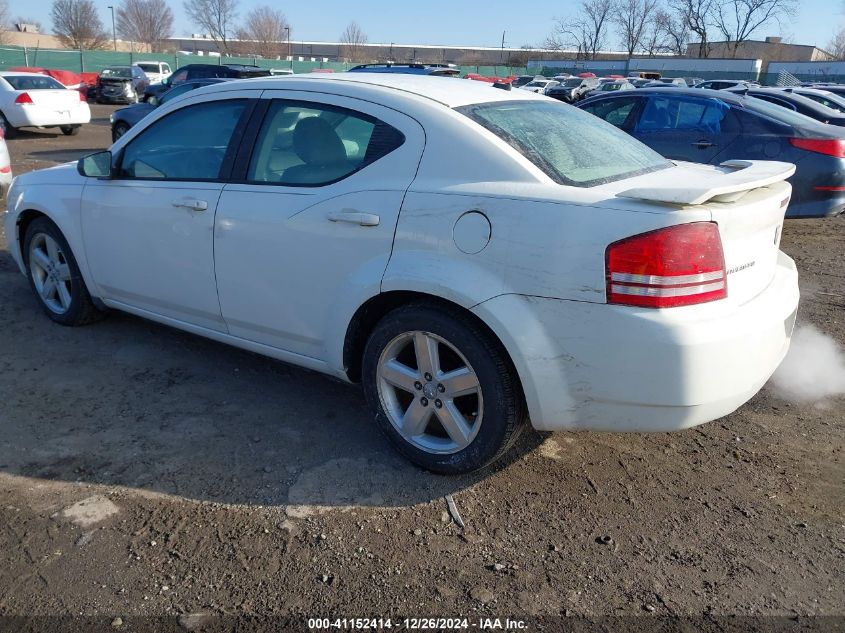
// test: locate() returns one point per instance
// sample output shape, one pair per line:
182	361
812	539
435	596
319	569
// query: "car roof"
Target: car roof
449	91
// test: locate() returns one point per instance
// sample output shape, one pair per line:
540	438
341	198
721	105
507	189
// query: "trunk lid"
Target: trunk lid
58	99
747	199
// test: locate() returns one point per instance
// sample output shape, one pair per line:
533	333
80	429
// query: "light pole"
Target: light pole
290	54
113	30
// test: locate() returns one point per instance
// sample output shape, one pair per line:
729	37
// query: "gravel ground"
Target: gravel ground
144	471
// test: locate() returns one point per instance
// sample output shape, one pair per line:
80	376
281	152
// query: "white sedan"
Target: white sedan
34	100
476	258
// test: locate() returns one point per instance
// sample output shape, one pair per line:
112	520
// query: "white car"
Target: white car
156	72
539	86
477	258
33	100
5	165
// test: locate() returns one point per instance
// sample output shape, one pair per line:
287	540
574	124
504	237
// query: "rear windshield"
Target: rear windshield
149	68
122	73
40	82
571	146
778	113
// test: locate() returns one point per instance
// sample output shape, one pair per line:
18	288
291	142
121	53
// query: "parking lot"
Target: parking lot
144	471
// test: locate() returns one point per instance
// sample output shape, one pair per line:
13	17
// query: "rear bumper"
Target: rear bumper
820	208
40	116
613	368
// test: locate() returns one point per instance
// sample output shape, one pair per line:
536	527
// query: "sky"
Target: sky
451	22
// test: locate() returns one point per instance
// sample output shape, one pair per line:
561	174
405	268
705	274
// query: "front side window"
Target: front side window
572	147
189	144
310	144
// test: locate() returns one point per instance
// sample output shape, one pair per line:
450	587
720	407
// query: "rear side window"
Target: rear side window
661	113
309	144
40	82
189	144
615	111
572	147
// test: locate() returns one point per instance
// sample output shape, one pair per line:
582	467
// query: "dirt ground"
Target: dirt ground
144	471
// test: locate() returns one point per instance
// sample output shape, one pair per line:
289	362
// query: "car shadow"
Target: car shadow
127	402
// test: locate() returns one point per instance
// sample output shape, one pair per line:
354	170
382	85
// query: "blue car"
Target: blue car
125	118
710	126
436	70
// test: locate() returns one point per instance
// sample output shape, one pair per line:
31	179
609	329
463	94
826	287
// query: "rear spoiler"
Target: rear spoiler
739	177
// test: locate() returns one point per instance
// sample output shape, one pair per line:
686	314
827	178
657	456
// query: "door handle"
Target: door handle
702	144
355	217
194	205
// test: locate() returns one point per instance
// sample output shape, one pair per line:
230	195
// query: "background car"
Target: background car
204	71
706	126
435	70
573	89
123	119
121	84
34	100
521	80
724	84
824	97
538	86
281	72
155	71
611	86
795	102
5	165
599	299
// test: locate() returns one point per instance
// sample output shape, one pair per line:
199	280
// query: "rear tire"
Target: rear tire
70	130
8	130
459	415
54	275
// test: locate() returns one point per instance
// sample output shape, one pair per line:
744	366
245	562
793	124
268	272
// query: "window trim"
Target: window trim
224	174
246	154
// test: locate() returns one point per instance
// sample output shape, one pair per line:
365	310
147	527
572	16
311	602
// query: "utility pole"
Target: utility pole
503	46
113	30
290	54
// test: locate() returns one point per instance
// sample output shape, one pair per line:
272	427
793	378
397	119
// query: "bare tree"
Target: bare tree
586	33
696	16
77	24
146	21
737	20
836	47
265	30
215	17
675	32
632	18
353	39
5	18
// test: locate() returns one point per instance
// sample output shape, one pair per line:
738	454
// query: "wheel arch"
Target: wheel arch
375	308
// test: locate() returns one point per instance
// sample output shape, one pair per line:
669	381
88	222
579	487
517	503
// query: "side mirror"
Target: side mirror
97	165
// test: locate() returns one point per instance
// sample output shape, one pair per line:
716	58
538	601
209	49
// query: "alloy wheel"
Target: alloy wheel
50	273
430	392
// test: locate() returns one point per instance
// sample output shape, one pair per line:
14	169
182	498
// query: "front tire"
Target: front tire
54	275
442	389
120	128
70	130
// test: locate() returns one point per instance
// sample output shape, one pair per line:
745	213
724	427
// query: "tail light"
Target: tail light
83	97
677	266
23	99
828	146
6	170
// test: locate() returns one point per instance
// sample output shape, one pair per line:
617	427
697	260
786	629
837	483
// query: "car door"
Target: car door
148	231
305	237
685	128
